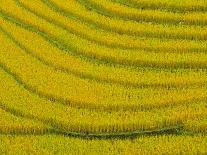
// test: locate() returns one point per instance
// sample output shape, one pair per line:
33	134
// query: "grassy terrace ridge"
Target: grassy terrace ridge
103	77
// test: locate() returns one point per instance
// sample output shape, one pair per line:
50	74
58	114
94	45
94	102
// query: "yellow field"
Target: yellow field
103	77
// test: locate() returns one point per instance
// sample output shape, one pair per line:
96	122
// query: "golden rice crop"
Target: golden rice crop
198	125
103	77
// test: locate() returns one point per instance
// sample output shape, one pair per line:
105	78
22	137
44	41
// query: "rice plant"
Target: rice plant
103	77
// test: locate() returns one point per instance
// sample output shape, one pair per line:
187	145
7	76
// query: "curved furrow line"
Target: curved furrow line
102	38
129	28
87	51
29	130
12	123
26	130
54	129
185	128
34	91
124	12
169	6
35	129
58	131
165	131
80	74
131	135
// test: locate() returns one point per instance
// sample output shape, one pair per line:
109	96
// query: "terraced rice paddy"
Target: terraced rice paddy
103	77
